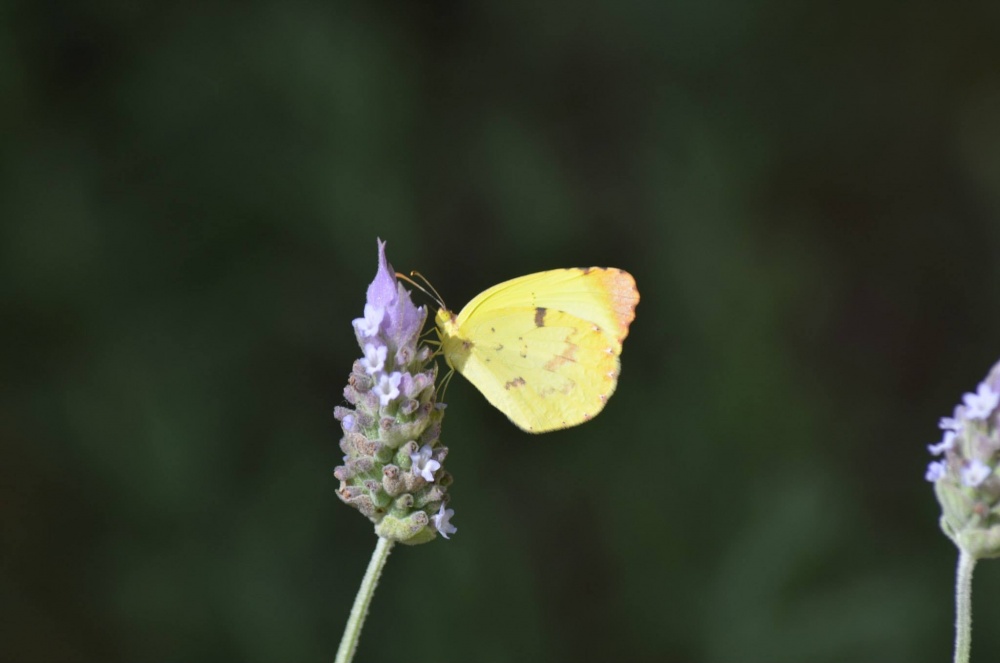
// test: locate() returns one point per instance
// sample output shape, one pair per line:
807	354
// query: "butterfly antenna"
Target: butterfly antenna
438	297
435	296
400	275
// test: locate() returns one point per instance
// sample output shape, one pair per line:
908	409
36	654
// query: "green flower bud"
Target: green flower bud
412	529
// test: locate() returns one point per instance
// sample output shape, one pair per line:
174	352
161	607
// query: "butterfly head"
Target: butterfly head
445	321
454	348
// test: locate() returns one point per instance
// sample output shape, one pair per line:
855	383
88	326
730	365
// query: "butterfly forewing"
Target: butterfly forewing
604	296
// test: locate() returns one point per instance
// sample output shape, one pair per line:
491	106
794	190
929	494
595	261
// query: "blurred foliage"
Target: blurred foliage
807	195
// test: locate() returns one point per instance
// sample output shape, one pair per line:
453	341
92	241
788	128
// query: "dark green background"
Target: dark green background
806	193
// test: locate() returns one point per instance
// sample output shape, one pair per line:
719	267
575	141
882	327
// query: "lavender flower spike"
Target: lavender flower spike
965	478
392	471
967	486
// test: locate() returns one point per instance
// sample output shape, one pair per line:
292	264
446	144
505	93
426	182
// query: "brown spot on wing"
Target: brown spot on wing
513	384
545	392
568	355
540	316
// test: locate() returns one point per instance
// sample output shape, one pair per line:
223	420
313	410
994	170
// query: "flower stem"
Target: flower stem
352	632
963	606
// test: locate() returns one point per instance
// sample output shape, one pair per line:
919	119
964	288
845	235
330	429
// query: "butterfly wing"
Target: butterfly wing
606	297
544	348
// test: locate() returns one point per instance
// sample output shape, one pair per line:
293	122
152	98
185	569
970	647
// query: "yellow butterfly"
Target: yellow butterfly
543	348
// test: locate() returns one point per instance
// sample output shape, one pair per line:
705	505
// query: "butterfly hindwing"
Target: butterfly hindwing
542	376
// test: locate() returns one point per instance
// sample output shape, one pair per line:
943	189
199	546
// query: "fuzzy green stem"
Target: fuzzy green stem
352	632
963	606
